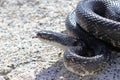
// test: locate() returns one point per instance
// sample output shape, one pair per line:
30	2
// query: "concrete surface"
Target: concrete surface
24	58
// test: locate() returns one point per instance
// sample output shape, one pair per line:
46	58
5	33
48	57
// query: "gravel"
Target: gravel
24	58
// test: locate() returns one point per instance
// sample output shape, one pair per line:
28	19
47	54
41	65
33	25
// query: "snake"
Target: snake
94	30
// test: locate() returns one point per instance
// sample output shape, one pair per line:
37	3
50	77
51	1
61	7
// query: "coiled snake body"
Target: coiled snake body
93	24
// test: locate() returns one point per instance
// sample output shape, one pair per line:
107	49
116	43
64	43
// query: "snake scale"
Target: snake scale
93	26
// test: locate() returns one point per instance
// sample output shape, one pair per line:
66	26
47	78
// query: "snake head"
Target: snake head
50	38
57	39
46	35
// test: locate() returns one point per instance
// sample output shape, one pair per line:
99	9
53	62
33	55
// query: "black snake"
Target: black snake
93	26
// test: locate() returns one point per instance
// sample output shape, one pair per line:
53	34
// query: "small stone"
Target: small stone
5	70
61	78
6	78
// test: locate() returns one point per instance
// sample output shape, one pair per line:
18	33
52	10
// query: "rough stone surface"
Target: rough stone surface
24	58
